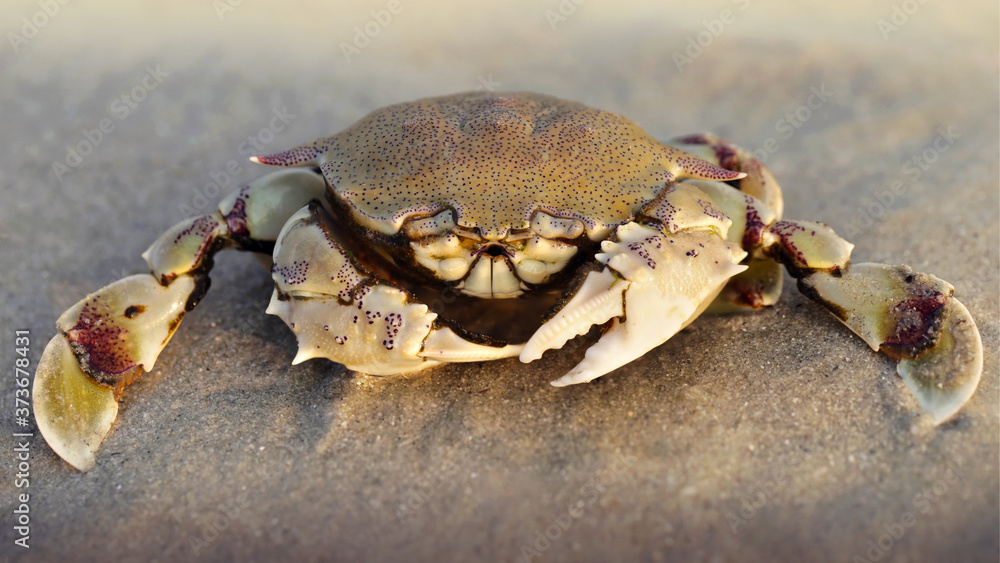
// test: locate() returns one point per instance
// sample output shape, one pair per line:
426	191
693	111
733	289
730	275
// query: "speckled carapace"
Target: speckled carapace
495	160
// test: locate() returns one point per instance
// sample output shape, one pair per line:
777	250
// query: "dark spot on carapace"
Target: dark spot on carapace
133	311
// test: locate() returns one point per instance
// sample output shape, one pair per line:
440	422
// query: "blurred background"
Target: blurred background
775	436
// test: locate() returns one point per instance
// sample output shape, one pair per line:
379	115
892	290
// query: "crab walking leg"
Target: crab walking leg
912	317
340	311
755	203
115	334
658	277
104	342
758	182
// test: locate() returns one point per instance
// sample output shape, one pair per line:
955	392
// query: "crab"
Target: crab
499	197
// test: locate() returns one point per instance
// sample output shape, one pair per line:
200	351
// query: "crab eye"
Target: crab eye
550	227
515	235
435	225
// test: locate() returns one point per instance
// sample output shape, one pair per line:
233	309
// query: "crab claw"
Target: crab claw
105	341
445	345
340	311
914	319
657	280
655	283
74	413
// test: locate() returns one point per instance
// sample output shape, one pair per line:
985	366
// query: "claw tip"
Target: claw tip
73	413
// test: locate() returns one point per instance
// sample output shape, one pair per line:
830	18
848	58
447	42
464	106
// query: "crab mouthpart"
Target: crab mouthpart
494	250
492	275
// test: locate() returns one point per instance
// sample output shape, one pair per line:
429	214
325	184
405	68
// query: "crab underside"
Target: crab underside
515	196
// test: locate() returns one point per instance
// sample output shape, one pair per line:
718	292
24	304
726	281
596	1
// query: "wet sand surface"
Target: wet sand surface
775	436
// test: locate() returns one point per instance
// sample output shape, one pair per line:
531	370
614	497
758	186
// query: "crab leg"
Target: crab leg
758	183
913	318
340	311
115	334
761	284
659	275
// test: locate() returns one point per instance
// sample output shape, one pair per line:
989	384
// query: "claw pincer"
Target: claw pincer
340	311
658	277
104	342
